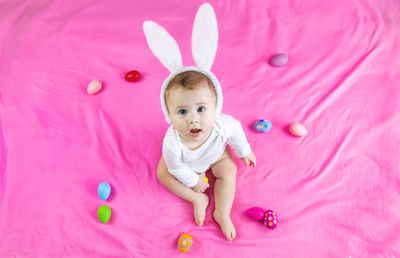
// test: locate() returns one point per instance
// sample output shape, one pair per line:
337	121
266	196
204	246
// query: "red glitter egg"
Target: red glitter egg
132	76
270	219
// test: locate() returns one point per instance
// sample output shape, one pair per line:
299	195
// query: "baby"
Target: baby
197	141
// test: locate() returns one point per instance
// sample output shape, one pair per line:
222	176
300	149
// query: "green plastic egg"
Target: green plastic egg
104	213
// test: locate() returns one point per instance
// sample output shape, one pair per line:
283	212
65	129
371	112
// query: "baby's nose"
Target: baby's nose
193	118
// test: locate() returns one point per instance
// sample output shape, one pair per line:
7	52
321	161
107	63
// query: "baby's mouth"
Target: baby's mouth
195	130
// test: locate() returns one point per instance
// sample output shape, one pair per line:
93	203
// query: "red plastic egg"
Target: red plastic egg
132	76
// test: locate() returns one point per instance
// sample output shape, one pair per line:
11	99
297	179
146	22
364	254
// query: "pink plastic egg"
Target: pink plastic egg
297	129
279	59
94	87
270	219
255	213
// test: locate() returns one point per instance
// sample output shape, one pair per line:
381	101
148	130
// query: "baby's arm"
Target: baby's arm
237	139
202	185
182	171
250	160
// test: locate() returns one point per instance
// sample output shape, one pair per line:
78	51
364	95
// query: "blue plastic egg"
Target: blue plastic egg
104	190
262	125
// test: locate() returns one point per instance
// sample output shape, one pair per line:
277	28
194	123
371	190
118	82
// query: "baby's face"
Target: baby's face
192	113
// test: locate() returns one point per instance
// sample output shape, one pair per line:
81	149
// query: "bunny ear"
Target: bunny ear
205	37
163	45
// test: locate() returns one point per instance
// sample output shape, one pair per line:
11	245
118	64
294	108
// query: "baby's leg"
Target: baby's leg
224	171
199	200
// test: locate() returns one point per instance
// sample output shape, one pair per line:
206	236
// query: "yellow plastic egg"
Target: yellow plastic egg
206	178
185	242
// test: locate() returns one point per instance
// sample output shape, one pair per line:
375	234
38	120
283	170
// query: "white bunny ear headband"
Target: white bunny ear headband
204	47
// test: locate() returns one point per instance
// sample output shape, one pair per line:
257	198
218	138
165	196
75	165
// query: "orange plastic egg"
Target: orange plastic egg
185	242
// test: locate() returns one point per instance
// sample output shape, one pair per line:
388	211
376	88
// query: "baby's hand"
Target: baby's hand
202	185
250	160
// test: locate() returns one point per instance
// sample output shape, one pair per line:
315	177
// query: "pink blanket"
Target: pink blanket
335	191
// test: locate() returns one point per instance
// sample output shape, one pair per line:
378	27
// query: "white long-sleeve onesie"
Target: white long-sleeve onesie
184	163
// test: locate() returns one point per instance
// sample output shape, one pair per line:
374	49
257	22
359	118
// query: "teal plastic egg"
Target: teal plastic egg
104	190
104	213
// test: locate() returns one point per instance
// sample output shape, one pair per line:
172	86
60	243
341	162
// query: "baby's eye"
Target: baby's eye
182	112
201	109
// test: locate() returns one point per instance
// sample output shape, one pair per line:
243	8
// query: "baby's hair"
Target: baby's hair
190	80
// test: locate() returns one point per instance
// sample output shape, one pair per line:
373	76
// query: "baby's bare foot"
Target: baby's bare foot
200	206
226	225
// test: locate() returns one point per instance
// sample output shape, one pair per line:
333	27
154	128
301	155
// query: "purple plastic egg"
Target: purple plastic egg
279	59
255	213
270	219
